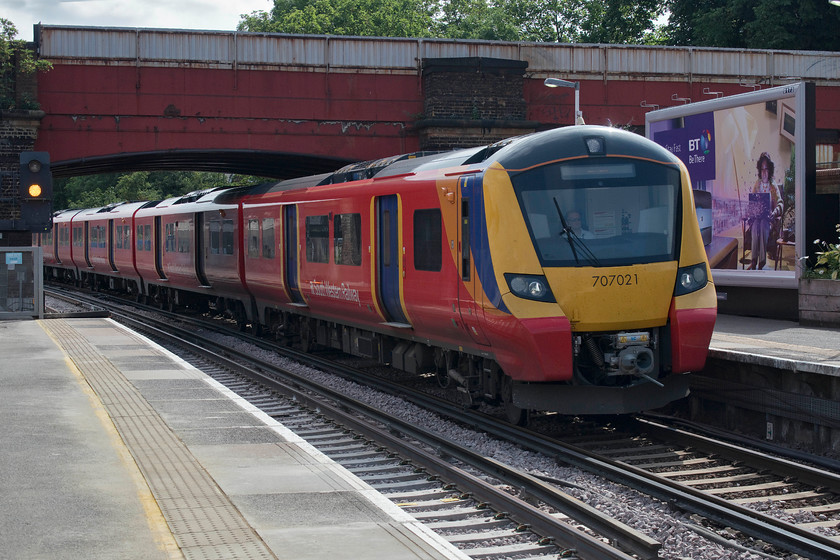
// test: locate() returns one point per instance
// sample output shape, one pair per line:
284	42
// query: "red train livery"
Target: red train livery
560	271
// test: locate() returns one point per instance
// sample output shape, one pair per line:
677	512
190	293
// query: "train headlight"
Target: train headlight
529	286
690	279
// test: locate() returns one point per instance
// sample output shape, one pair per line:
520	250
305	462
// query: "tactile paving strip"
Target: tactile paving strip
202	519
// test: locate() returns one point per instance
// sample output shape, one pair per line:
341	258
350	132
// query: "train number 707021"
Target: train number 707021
607	280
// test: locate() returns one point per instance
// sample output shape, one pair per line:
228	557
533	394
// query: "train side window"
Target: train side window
386	238
253	238
139	238
347	243
427	240
227	237
215	237
317	239
183	236
78	238
147	230
120	235
169	244
268	247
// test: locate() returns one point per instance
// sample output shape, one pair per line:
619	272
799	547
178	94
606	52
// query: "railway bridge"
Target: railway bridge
285	105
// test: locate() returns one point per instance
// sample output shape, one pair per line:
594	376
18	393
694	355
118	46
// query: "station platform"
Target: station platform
784	345
115	448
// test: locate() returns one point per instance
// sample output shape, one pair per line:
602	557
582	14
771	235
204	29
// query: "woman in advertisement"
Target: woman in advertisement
765	209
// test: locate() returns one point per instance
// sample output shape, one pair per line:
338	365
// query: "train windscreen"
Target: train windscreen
601	211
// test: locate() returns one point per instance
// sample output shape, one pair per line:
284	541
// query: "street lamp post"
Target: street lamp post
556	82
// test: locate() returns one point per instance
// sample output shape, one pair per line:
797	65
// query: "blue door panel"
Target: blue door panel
291	276
388	258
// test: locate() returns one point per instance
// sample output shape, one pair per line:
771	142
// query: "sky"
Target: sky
171	14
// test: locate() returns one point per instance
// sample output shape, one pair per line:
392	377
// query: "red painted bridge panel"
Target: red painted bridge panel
92	111
340	97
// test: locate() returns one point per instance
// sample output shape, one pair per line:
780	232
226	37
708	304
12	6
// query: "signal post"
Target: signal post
25	208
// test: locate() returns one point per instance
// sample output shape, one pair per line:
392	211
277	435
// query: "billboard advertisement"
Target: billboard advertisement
743	154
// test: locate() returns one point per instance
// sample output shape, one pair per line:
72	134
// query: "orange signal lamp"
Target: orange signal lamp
35	190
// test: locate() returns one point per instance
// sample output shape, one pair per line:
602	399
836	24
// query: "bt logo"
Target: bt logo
702	143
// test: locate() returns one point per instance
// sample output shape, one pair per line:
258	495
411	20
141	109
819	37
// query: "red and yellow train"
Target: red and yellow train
562	270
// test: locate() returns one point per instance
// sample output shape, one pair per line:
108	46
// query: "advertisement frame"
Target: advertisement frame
795	94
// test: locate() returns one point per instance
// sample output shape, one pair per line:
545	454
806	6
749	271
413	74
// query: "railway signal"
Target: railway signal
36	191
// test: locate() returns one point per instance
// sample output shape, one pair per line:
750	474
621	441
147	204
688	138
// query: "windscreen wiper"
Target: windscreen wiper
574	239
567	230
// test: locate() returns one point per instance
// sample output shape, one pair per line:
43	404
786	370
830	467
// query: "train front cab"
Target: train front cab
615	311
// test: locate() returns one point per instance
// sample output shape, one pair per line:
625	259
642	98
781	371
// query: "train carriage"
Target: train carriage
188	250
62	268
47	241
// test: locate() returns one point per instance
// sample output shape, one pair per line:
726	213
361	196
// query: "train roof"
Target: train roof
516	153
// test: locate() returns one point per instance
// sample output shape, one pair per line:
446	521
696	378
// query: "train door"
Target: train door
111	246
290	254
470	293
87	245
157	247
57	231
199	254
389	258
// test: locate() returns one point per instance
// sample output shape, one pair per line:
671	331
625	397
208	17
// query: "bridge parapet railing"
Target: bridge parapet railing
234	49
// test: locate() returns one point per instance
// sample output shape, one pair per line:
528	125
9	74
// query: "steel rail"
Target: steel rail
785	467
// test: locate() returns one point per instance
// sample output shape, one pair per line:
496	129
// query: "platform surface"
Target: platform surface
781	344
115	448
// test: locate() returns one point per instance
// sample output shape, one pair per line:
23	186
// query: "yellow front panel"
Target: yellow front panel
614	298
508	237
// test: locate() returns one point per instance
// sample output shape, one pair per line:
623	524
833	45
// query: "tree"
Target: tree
93	191
755	24
474	19
15	58
553	21
620	21
564	21
380	18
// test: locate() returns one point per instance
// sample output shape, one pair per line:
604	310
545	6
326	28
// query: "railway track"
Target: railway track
719	482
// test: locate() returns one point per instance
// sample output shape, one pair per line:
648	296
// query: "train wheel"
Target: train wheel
515	415
443	361
307	336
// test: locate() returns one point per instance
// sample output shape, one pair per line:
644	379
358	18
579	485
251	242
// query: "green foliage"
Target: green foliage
620	21
386	18
755	24
14	58
474	19
93	191
828	260
616	21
